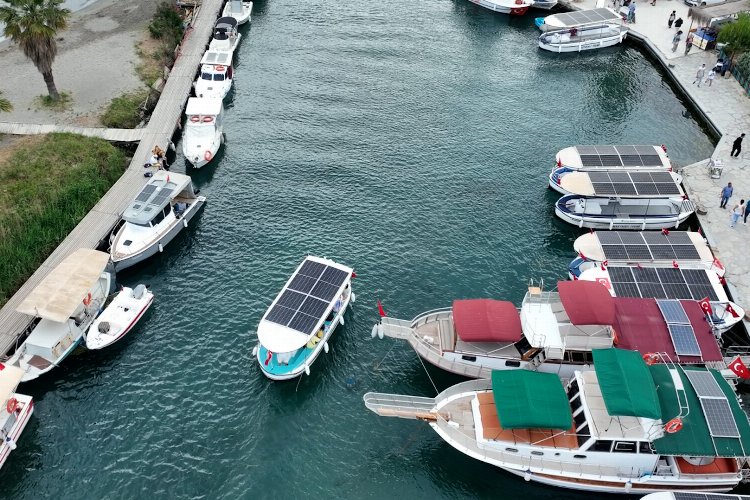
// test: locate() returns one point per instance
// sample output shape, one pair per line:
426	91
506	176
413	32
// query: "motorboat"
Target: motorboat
162	209
648	249
624	427
513	7
300	321
608	157
611	213
225	36
67	301
119	316
554	332
15	409
214	81
203	134
672	281
544	4
578	39
567	20
622	182
239	10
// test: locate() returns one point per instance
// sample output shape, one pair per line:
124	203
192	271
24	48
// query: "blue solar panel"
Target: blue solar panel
683	338
672	311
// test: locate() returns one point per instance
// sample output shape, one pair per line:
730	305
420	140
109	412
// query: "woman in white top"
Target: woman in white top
737	212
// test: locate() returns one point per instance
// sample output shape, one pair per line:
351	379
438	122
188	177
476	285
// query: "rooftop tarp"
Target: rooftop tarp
626	384
694	439
587	302
530	400
61	292
485	320
704	15
10	377
640	326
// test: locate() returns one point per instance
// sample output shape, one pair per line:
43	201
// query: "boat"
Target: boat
15	411
225	36
624	427
607	157
566	20
544	4
162	209
585	37
554	332
623	213
622	182
648	248
679	495
673	282
119	316
513	7
239	10
203	134
300	321
214	80
67	301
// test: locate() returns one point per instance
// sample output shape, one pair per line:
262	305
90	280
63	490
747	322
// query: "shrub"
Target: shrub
167	25
125	111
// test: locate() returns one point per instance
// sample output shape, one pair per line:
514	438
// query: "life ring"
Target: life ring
87	299
195	118
674	425
207	155
650	358
220	68
208	119
11	405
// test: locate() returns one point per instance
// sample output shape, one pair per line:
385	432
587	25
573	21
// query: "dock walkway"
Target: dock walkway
109	134
97	224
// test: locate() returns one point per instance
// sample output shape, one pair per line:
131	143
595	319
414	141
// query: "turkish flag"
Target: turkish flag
738	367
354	275
381	311
705	304
731	310
2	367
604	265
665	231
675	264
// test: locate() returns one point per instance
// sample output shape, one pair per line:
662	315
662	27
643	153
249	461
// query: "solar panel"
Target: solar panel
696	276
161	197
678	238
617	274
686	252
680	495
719	418
314	307
146	193
627	289
631	183
655	237
705	384
631	238
663	252
677	291
638	252
661	282
605	155
683	339
609	237
670	275
652	290
615	252
700	292
672	311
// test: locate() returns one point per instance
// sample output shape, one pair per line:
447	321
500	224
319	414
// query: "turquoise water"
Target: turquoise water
409	140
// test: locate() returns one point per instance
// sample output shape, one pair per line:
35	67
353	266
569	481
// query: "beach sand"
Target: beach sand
95	62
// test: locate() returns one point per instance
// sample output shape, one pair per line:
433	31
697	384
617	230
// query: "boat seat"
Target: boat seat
718	466
39	362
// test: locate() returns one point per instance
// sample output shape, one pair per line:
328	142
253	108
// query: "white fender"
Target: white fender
255	350
527	476
354	299
380	331
611	224
580	224
161	247
628	487
307	370
374	330
342	320
184	222
325	347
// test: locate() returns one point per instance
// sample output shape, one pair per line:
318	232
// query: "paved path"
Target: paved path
726	105
101	219
110	134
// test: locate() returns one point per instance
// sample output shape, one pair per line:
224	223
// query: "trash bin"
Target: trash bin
715	168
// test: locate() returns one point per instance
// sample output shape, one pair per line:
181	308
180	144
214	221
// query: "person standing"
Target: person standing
737	212
711	76
678	23
700	74
726	193
688	43
676	40
737	146
631	12
671	19
747	211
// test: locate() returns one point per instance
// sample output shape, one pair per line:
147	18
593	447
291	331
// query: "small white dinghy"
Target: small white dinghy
119	317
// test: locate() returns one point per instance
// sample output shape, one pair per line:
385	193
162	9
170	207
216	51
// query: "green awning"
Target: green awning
530	400
694	439
626	384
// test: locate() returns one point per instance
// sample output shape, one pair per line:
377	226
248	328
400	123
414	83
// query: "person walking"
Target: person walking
688	43
678	23
676	40
737	212
671	19
747	211
726	193
699	74
737	146
711	76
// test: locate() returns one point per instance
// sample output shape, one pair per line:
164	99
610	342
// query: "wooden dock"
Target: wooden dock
98	223
109	134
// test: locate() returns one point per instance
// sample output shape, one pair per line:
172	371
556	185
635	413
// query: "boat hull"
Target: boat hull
631	224
18	427
512	9
199	157
33	373
583	45
213	91
95	341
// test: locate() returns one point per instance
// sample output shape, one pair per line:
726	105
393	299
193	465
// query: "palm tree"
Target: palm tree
33	24
5	104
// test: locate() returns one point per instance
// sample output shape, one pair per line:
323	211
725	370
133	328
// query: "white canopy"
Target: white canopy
60	293
203	106
10	377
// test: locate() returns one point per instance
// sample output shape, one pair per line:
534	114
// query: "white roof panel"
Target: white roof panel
203	106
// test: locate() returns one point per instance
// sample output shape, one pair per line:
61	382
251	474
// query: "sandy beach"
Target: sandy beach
95	62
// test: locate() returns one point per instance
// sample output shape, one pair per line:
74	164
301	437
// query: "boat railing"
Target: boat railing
431	315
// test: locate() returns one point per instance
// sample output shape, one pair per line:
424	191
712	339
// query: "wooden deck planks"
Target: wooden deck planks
97	224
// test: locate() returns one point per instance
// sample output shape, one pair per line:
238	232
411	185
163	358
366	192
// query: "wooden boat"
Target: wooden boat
624	427
623	213
15	409
119	317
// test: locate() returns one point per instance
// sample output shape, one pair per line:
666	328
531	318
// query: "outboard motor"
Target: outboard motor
139	291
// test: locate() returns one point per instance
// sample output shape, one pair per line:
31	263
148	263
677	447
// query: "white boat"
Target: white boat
544	4
623	213
582	38
214	81
302	318
649	248
566	20
607	157
203	134
622	182
67	300
555	332
624	427
239	10
161	210
15	411
687	282
119	316
513	7
225	37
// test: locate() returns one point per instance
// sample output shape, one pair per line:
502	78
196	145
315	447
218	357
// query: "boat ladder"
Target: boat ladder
395	328
396	405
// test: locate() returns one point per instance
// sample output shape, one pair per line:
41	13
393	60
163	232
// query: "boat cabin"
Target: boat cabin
623	183
225	35
164	197
204	115
215	73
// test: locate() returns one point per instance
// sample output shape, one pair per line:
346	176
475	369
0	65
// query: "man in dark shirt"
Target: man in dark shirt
737	146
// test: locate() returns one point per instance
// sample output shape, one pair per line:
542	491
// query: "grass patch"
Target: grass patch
46	187
62	104
125	111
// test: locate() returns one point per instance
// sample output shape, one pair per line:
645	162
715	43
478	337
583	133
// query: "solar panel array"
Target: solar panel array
679	495
305	300
587	16
680	329
619	156
649	245
714	403
146	192
661	283
634	183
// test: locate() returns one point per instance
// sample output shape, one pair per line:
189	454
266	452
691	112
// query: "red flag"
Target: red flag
268	358
354	275
665	231
731	310
674	264
2	367
604	265
722	280
705	304
638	265
559	163
381	311
580	254
718	264
738	367
664	147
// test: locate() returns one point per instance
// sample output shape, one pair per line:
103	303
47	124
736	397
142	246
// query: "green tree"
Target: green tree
736	35
33	24
5	104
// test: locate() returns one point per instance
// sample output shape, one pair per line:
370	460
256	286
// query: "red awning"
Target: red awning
485	320
641	327
587	302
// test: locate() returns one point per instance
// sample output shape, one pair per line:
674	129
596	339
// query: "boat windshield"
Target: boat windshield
206	76
218	77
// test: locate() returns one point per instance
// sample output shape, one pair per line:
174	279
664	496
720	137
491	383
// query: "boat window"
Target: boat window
583	435
645	447
601	446
512	450
624	446
160	216
578	357
469	358
539	453
523	346
513	363
218	77
579	456
206	76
